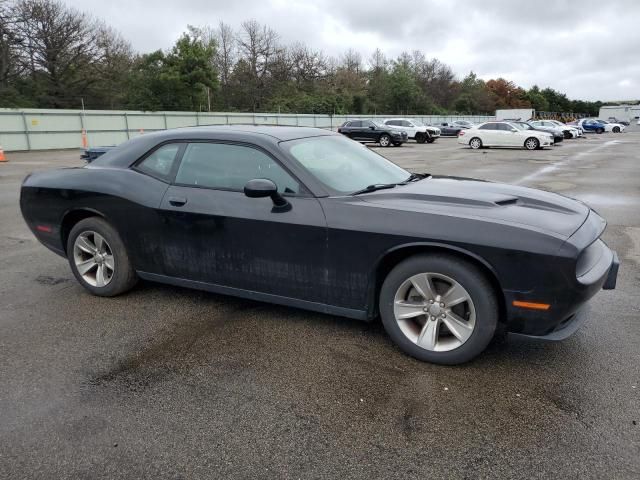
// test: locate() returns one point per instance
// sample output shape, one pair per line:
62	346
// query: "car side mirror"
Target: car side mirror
514	130
263	187
371	127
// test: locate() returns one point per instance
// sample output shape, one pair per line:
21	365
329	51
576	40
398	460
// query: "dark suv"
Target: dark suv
371	131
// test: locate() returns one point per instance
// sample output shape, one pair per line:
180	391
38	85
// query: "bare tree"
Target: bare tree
257	45
62	48
11	45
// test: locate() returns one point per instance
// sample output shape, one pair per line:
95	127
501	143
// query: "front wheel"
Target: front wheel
421	137
397	144
98	258
439	308
384	140
532	143
616	129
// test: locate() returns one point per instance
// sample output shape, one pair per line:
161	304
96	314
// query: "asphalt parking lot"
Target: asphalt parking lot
171	383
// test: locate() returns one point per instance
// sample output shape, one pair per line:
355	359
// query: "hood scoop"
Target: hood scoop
480	199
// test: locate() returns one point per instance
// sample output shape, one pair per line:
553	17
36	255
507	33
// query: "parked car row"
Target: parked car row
390	132
506	134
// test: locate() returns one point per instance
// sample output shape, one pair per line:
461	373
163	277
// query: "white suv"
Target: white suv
415	129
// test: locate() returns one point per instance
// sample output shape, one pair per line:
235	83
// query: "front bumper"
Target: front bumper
568	286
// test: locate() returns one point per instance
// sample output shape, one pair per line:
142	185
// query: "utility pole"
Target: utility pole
208	99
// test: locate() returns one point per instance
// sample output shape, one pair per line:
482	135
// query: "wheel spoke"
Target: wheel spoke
457	326
99	241
455	295
85	245
100	276
405	310
108	261
422	284
85	266
428	337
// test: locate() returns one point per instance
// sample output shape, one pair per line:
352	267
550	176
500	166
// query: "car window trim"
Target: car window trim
306	194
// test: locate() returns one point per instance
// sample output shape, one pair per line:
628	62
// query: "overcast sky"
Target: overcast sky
587	49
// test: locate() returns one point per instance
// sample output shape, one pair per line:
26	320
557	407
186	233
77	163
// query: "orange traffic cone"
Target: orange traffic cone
85	143
2	157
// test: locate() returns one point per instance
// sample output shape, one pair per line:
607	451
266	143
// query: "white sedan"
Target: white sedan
504	134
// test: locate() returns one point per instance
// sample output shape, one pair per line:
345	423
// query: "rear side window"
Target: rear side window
229	167
488	126
356	124
160	162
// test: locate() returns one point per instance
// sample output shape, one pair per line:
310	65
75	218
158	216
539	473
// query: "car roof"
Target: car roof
124	154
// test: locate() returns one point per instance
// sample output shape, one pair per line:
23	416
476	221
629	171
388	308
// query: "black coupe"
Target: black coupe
308	218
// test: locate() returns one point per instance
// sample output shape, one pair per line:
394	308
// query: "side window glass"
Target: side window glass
488	126
405	123
230	167
356	124
160	162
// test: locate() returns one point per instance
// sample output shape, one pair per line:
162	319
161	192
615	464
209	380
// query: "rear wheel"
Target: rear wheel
439	308
475	143
532	143
98	258
599	130
384	140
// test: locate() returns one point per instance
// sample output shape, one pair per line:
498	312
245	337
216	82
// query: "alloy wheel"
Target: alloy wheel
93	259
434	312
475	143
531	144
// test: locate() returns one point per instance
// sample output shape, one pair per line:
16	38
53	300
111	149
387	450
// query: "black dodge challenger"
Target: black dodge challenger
311	219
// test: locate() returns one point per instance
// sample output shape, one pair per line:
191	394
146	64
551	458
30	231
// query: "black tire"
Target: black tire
397	144
421	137
475	143
384	140
599	130
532	143
431	140
567	134
616	129
124	276
466	274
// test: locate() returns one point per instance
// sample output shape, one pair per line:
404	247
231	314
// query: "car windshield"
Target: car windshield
342	165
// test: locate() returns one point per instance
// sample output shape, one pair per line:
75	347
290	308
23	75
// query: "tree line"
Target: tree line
54	56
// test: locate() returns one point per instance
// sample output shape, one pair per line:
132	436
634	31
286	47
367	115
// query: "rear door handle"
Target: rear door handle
177	201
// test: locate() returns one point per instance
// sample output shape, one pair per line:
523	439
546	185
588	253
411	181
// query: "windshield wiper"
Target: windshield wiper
373	188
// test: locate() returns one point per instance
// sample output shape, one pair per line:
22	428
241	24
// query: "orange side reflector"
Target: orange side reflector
531	305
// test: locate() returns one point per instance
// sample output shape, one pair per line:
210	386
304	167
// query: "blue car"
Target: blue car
591	125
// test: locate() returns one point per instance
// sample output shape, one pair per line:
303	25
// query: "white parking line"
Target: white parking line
567	161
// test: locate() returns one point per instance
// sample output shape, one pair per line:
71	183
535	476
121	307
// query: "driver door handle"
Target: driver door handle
177	201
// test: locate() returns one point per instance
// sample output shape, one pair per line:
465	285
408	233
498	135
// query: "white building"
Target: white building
620	112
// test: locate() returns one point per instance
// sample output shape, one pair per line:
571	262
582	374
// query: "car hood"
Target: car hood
501	203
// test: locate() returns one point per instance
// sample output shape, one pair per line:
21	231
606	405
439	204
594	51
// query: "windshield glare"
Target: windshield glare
342	165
